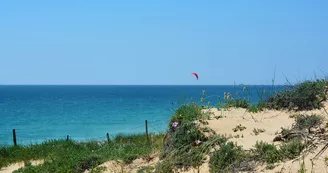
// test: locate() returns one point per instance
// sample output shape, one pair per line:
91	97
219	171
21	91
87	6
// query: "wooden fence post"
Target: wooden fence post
146	123
14	137
107	135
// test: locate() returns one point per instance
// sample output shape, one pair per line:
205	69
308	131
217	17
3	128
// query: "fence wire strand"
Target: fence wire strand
153	126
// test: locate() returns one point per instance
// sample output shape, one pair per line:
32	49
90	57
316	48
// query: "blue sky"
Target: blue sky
161	42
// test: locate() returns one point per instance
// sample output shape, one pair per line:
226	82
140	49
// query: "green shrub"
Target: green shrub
165	166
28	169
303	96
307	121
186	134
185	113
254	108
267	152
270	154
236	103
87	163
196	154
226	156
184	152
261	105
180	148
180	145
291	149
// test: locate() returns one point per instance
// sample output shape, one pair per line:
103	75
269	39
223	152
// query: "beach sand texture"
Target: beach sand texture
18	165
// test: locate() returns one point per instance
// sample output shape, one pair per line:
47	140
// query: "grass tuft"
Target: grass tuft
267	152
222	159
291	149
236	103
72	156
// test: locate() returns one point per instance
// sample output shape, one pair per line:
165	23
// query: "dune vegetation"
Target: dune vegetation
72	156
189	143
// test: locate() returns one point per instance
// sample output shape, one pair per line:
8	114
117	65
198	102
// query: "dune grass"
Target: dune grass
72	156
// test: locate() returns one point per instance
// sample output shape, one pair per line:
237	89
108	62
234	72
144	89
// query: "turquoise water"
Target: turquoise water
39	113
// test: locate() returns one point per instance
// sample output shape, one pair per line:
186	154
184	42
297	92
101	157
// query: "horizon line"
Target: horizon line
139	84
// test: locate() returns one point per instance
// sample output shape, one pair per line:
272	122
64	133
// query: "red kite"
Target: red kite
194	73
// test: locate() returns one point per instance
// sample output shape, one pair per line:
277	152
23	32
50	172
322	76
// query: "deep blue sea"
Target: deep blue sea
39	113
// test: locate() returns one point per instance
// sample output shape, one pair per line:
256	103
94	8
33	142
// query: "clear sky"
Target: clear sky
162	41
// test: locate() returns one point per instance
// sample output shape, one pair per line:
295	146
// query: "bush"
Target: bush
87	163
236	103
261	105
267	152
222	159
164	166
270	154
307	121
307	95
185	113
27	169
185	145
254	108
291	149
179	146
186	134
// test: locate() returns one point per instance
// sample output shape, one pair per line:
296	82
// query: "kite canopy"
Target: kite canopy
194	73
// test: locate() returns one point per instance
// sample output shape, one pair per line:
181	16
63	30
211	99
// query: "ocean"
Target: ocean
40	113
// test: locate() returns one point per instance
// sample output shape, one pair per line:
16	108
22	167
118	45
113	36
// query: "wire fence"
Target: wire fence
152	127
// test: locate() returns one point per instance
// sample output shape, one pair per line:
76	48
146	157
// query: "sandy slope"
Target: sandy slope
271	121
18	165
117	166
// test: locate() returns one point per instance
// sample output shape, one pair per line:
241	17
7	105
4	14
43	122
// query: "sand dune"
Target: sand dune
269	121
